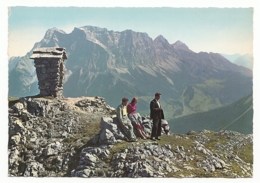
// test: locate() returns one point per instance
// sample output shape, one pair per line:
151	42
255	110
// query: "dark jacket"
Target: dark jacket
155	113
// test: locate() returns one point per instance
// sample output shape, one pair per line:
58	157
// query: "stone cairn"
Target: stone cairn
49	63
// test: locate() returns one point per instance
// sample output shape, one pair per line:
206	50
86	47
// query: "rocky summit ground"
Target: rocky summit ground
79	137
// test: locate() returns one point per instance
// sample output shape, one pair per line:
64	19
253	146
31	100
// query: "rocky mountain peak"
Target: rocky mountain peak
50	37
161	39
178	45
93	28
50	32
79	33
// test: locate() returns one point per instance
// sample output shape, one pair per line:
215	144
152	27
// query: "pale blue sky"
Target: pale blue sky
221	30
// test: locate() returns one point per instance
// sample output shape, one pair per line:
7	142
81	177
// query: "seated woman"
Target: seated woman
135	119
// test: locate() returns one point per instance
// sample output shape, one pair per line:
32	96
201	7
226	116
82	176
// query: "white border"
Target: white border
119	3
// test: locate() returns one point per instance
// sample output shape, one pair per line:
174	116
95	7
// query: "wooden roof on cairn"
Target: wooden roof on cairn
49	52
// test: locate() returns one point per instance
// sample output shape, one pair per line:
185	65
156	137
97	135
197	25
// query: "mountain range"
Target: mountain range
245	60
231	57
116	64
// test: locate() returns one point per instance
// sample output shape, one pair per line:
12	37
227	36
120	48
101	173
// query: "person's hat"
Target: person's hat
157	94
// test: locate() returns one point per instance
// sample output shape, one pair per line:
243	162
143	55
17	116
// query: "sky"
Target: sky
221	30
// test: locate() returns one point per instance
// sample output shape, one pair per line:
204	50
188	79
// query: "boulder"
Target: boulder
33	136
18	108
112	125
16	126
15	139
53	149
34	169
13	157
107	137
111	133
87	159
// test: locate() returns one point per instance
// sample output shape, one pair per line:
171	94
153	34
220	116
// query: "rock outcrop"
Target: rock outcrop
79	137
110	133
186	156
44	132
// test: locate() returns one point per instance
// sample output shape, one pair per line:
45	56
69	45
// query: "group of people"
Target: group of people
129	120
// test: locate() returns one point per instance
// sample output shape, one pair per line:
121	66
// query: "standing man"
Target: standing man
156	114
124	121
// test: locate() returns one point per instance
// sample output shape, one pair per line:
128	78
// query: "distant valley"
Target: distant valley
237	116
